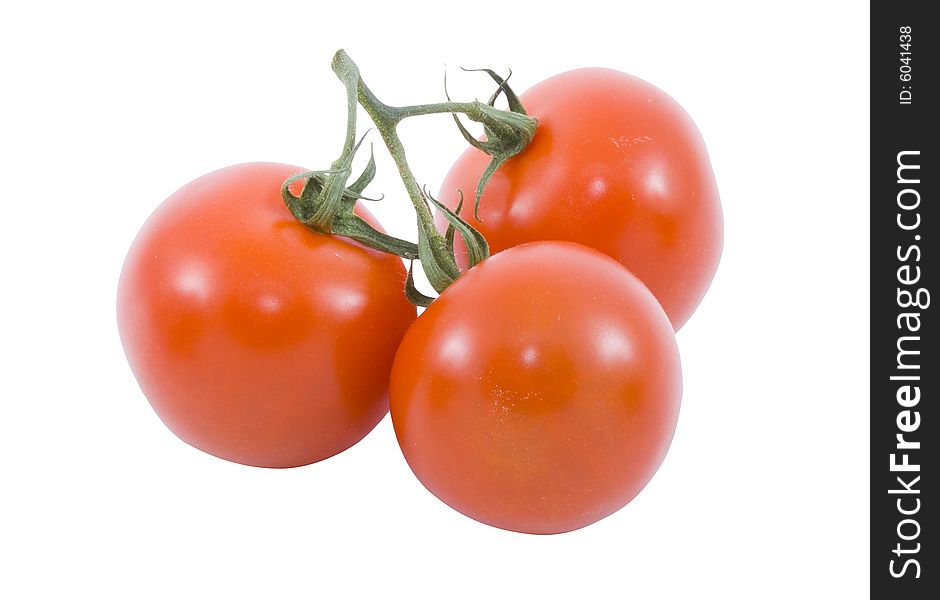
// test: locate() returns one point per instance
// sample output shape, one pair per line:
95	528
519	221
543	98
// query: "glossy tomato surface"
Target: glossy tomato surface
617	165
255	339
540	392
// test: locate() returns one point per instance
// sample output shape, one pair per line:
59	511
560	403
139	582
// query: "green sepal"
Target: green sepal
506	133
367	175
449	234
436	259
412	293
477	248
515	105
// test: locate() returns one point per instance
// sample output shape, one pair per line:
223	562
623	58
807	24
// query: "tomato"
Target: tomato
617	165
540	392
255	339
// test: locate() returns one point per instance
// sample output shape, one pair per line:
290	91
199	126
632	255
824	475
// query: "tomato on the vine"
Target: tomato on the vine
615	164
540	392
255	339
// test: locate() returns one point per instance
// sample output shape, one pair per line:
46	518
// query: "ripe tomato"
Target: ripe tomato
540	392
255	339
617	165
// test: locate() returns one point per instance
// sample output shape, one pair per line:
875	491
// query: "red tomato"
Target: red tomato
255	339
540	392
617	165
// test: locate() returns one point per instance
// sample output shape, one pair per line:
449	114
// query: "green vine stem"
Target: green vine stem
327	201
507	134
327	205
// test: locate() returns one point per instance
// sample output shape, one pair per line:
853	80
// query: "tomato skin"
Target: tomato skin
616	164
539	393
253	338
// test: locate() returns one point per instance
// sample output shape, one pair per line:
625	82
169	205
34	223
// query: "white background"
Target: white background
108	108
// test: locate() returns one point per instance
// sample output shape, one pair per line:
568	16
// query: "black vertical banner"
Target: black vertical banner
905	370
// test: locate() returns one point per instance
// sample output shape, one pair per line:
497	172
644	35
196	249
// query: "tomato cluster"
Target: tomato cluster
538	393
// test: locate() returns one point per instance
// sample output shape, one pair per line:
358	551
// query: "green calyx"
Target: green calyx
310	208
507	133
326	203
